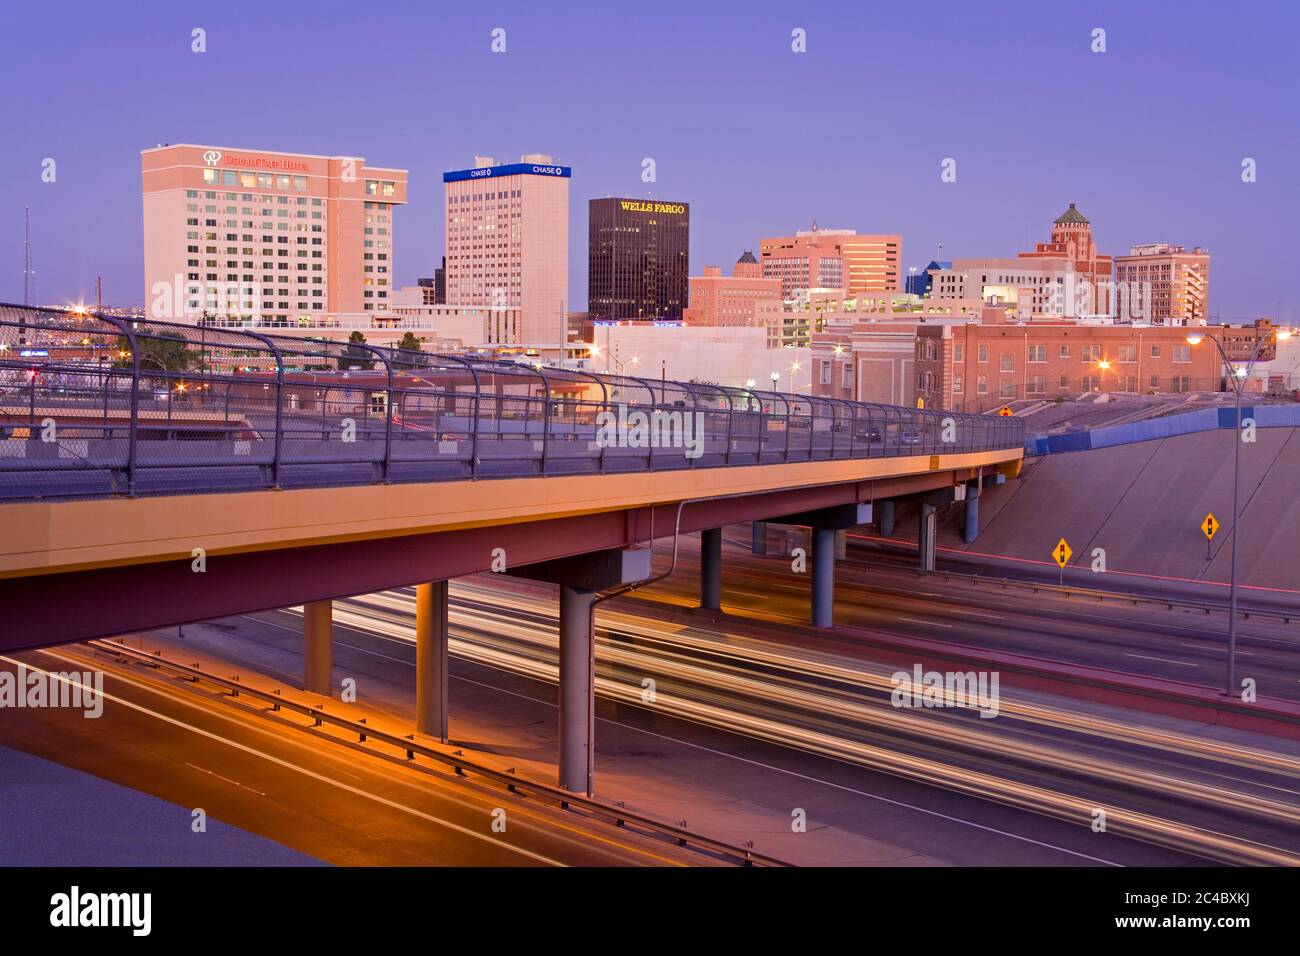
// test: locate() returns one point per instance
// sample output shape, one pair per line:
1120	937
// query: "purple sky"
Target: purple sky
1148	137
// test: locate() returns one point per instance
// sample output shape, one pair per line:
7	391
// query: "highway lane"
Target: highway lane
157	734
891	599
1215	798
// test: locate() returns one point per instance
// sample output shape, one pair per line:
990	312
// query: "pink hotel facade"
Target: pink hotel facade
267	239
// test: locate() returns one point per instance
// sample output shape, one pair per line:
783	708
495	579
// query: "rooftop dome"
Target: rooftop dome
1072	215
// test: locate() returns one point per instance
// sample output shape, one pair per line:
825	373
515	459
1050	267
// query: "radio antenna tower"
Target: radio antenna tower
27	256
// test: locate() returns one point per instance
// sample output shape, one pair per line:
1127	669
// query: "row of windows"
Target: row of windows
1037	385
927	349
232	177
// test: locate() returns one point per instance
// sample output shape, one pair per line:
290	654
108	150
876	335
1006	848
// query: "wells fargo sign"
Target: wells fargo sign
671	208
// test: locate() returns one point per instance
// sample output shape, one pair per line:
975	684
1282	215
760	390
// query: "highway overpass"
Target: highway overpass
155	474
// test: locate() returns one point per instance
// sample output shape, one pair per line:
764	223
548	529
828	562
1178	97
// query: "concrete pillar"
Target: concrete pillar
823	577
431	659
577	690
925	536
711	569
759	544
318	648
581	578
972	529
886	517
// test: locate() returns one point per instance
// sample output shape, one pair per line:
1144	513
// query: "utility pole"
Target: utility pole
99	293
27	255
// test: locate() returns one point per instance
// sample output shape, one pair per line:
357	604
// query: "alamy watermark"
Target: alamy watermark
657	429
74	690
977	690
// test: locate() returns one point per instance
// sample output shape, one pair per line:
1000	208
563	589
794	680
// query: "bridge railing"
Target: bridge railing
93	405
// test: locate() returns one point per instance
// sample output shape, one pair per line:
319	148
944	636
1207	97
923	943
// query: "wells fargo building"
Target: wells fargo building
637	259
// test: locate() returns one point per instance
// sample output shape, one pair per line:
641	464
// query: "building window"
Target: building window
1182	353
984	352
1038	353
1180	383
1065	382
1037	385
1091	353
956	384
982	385
1155	351
1128	353
958	352
1155	382
1065	351
846	379
1007	363
826	372
1090	383
1007	390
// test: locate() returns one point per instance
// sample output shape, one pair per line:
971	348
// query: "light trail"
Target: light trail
823	703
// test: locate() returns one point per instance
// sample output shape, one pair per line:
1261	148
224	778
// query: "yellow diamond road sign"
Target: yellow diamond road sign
1210	526
1061	553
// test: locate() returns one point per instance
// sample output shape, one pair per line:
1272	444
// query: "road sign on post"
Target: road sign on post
1005	411
1061	555
1209	528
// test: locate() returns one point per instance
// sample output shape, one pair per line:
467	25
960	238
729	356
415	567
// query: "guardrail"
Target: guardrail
618	815
1119	597
94	405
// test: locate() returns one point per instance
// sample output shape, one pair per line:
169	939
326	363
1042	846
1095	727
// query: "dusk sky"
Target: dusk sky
1147	138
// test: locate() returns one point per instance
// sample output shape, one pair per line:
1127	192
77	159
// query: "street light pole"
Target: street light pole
1238	385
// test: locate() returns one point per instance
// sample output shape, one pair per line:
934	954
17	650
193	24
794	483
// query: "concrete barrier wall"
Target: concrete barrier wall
1143	502
1206	419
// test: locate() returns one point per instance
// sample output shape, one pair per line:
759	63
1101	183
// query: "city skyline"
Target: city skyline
1019	156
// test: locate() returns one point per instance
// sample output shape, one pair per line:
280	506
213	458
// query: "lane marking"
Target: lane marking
356	791
1163	660
926	623
233	783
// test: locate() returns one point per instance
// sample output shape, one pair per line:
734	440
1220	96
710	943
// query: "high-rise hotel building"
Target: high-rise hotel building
508	247
833	259
249	237
638	253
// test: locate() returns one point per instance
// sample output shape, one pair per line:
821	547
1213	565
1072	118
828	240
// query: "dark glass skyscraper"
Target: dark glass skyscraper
638	254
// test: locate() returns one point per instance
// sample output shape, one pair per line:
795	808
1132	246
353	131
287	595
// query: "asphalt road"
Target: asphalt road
330	802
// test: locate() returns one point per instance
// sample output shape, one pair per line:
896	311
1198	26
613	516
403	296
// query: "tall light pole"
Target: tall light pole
1238	378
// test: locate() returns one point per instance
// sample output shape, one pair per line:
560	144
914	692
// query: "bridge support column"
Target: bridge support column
886	523
711	569
431	659
972	529
759	543
577	689
925	535
580	578
823	577
318	647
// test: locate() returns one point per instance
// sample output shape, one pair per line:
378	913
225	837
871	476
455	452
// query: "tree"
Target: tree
354	355
164	351
408	344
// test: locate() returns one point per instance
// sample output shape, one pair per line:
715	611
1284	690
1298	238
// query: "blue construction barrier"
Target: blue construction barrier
1206	419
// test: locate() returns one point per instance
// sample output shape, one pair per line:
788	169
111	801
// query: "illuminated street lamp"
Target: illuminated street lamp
1238	379
776	377
794	367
